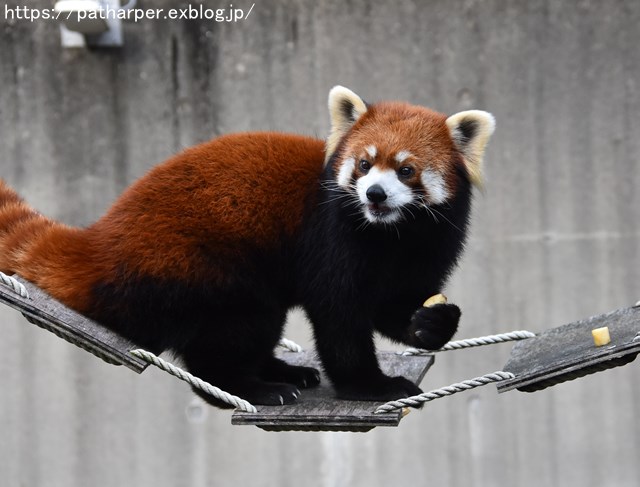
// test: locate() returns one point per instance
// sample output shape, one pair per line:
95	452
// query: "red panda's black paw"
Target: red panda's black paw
432	327
382	389
270	394
276	370
260	393
304	377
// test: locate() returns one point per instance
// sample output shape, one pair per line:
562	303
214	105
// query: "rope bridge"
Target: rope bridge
536	362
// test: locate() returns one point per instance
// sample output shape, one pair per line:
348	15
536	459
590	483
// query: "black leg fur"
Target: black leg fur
276	370
237	373
235	353
344	342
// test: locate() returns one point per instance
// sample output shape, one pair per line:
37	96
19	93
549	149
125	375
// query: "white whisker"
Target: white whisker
447	220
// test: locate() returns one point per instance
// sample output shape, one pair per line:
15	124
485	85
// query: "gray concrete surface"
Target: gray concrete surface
555	238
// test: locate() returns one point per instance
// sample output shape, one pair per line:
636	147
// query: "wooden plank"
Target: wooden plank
48	313
568	352
318	410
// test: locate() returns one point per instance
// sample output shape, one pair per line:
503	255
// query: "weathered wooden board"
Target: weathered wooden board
46	312
568	352
555	236
318	410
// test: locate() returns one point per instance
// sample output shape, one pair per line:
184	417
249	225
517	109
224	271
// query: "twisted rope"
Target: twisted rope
413	401
416	401
14	285
474	342
290	345
194	381
149	357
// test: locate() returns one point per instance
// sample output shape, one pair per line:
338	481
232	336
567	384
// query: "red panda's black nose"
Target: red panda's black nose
376	194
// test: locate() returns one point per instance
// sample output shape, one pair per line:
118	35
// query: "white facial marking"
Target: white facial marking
402	155
398	194
346	172
372	151
435	185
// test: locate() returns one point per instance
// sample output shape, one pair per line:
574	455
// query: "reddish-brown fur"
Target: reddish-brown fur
217	193
393	127
205	254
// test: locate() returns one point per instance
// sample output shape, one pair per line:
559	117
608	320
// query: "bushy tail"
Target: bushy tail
20	227
39	249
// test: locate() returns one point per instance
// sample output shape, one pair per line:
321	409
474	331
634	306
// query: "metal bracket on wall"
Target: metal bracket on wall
89	23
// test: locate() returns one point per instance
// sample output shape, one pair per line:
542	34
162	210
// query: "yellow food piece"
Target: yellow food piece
601	336
435	299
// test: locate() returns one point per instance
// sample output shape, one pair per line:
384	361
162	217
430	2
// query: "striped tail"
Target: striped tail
48	253
20	227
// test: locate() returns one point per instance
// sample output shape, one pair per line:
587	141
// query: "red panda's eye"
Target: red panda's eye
406	171
364	165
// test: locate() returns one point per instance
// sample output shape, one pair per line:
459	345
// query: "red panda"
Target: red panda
205	254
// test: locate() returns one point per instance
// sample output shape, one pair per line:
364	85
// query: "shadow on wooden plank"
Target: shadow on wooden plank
318	410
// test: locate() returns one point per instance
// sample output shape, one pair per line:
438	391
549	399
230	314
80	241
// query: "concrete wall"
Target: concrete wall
555	238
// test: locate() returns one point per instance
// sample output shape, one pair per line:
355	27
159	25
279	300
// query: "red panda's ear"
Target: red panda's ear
470	132
345	108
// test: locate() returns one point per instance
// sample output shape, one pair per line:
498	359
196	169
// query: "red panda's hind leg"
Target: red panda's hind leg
238	376
235	353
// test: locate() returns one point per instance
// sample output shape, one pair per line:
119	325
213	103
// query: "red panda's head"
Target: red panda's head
393	155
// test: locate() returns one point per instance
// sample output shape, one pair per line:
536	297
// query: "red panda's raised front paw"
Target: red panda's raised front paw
433	326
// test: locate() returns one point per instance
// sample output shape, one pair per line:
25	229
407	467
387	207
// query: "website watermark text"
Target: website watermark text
228	14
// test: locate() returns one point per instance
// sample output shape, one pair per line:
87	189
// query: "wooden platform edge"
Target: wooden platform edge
48	313
579	357
318	410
